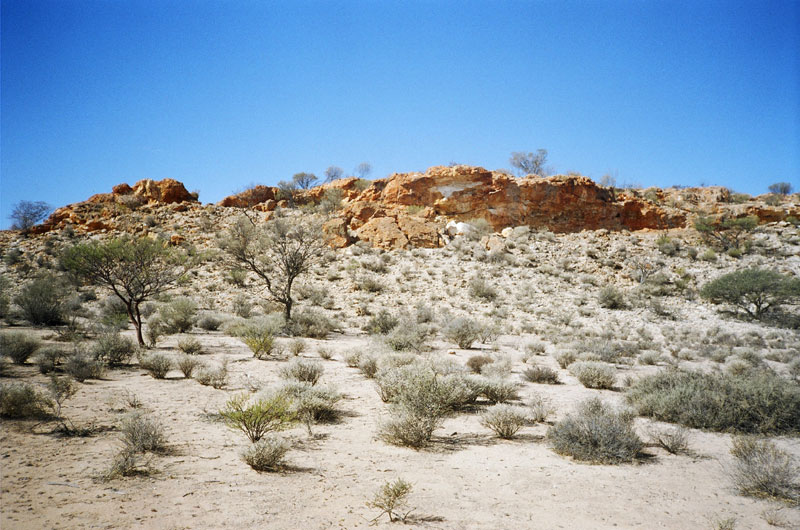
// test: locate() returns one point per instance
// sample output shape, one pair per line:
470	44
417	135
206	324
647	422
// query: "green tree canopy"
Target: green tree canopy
756	291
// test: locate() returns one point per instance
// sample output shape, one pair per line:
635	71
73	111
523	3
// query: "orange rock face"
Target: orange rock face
165	191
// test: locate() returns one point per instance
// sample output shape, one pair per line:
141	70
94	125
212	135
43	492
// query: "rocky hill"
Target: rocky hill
423	209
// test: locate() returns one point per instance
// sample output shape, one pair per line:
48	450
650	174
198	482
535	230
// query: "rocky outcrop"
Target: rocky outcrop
101	211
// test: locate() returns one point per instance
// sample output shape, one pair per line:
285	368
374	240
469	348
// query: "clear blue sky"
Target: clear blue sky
221	94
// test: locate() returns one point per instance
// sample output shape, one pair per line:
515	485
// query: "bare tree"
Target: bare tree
277	252
529	163
304	180
780	188
363	170
133	269
28	213
333	173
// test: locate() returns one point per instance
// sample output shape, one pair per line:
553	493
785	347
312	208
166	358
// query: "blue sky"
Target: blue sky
222	94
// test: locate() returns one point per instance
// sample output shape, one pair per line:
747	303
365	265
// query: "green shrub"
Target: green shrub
187	364
190	346
674	440
312	403
22	400
141	433
596	433
541	374
409	336
48	358
310	323
726	233
19	346
763	470
156	364
504	420
242	306
756	291
213	377
256	419
297	346
407	429
82	366
179	315
113	348
43	301
754	402
303	370
594	375
209	321
611	298
267	454
391	499
566	358
497	390
463	332
382	323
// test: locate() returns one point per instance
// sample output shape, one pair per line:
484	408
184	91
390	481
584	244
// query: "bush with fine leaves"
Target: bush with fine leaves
593	374
267	454
754	401
756	291
113	348
463	332
596	433
43	301
18	346
156	364
504	420
266	414
303	370
761	469
23	400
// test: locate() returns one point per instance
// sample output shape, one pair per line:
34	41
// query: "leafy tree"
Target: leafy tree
133	269
363	170
333	173
277	252
28	213
781	188
304	180
529	163
728	233
756	291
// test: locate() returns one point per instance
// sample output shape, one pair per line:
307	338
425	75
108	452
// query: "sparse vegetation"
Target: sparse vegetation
257	418
504	420
761	469
18	346
392	500
266	454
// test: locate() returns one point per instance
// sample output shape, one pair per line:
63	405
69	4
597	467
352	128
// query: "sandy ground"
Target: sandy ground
467	478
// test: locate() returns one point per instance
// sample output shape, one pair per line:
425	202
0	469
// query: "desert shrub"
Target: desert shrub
48	358
596	433
463	332
312	403
325	353
352	359
539	409
267	414
407	429
310	323
141	433
504	420
497	390
242	306
126	463
756	291
476	362
409	336
113	348
154	329
674	440
156	364
566	358
368	366
260	341
213	377
728	232
190	346
481	289
458	391
113	313
187	364
297	346
541	374
761	469
382	323
22	400
267	454
500	368
43	301
209	321
19	346
391	499
754	402
611	298
179	315
650	358
594	375
535	348
82	366
303	370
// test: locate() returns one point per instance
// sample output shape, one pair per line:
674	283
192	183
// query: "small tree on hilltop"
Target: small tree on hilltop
754	290
277	252
529	163
133	269
781	188
363	170
304	180
333	173
28	213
